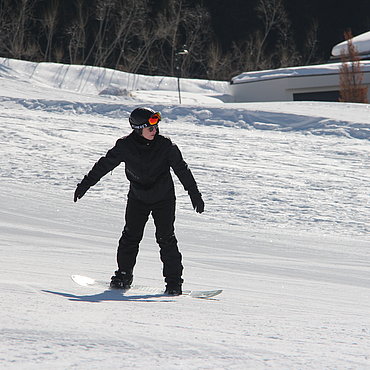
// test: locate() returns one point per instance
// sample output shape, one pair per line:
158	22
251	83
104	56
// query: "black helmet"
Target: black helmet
143	117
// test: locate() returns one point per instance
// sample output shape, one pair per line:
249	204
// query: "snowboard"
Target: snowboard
89	282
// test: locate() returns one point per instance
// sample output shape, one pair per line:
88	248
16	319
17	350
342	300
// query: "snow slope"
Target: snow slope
285	232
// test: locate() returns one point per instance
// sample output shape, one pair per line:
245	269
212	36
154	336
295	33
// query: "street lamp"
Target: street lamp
178	65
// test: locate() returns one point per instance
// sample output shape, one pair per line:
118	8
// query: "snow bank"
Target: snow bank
106	93
94	80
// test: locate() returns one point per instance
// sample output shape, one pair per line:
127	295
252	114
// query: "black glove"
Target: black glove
197	201
81	189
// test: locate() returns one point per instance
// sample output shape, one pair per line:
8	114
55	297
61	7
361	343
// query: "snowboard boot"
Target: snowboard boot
121	280
173	288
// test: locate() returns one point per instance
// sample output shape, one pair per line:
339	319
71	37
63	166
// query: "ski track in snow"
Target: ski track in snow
285	232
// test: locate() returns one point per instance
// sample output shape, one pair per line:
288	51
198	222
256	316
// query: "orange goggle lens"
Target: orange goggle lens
155	118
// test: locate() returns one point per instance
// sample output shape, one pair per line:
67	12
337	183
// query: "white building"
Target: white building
320	82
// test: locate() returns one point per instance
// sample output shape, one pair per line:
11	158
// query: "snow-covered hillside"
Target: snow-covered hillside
285	232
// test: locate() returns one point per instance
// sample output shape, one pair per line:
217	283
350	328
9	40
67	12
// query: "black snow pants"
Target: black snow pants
137	214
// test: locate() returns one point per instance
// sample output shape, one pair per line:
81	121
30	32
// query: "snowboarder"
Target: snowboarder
148	157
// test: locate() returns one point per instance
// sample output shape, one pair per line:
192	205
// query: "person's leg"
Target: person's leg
136	217
164	218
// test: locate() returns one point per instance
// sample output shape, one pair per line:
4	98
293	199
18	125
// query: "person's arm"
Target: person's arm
104	165
182	171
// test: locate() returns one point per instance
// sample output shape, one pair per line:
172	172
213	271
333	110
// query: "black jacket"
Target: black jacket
147	166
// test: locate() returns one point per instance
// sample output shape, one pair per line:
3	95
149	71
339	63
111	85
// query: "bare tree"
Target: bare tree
286	53
351	75
59	53
166	29
5	25
276	26
15	23
196	24
179	24
221	65
81	22
272	14
143	36
49	22
311	42
128	21
73	43
104	16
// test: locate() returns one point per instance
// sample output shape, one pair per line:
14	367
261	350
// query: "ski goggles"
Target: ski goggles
154	119
151	128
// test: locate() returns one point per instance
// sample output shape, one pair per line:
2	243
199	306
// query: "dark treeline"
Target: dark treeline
223	38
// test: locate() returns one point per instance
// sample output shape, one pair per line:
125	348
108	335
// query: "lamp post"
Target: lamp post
178	65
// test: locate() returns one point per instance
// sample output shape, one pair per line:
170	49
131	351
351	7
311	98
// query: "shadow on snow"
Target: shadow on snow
110	295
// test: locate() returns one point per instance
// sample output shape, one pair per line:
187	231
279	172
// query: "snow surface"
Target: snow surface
361	42
285	232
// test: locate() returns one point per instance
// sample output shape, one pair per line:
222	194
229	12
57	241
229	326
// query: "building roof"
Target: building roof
361	42
302	71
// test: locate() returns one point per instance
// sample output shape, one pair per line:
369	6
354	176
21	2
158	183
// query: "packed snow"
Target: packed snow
285	233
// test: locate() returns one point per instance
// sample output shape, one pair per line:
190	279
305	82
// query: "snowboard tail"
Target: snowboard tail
89	282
